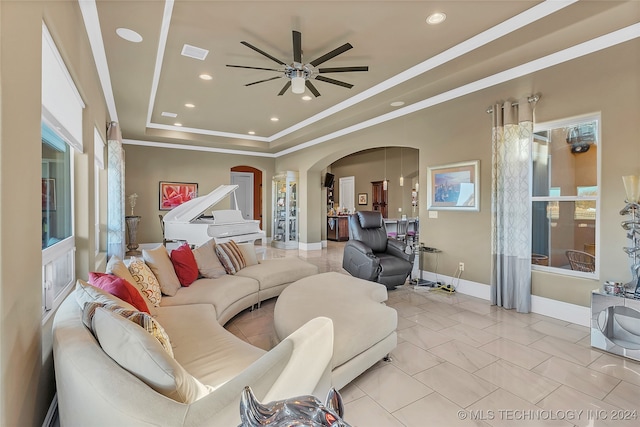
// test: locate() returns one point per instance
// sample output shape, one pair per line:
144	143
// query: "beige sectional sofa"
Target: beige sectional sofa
114	373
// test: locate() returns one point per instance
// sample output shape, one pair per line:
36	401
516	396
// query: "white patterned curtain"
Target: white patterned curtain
115	193
511	205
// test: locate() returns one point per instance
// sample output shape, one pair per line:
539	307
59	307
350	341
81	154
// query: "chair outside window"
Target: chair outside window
581	261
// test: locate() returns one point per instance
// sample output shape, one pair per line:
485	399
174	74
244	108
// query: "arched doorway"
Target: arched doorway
249	194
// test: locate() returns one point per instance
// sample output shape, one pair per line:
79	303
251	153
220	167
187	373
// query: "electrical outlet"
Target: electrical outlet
461	266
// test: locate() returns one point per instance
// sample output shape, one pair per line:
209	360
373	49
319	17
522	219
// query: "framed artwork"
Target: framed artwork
174	194
454	186
362	198
48	194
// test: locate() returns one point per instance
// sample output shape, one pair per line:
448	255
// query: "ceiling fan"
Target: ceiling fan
300	74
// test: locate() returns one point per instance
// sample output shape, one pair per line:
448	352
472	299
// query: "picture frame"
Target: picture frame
363	198
48	194
173	194
454	187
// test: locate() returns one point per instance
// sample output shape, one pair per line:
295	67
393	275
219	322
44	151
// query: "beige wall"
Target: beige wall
27	386
145	167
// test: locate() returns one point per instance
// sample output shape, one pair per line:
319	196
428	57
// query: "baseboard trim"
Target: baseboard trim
52	413
310	246
561	310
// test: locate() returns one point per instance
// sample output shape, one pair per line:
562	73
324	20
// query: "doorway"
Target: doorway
379	198
249	192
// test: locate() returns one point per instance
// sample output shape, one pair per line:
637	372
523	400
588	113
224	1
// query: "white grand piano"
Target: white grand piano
193	223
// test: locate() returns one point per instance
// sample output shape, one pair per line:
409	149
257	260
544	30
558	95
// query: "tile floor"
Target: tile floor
462	362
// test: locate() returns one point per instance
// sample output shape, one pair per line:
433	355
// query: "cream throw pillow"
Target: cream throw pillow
209	265
249	253
158	260
143	356
141	319
87	293
146	281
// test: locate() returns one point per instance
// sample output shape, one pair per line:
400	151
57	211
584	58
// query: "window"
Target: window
565	196
61	135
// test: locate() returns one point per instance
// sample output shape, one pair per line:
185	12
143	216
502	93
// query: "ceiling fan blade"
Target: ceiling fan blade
297	46
262	52
335	52
312	88
333	81
284	89
253	68
262	81
343	69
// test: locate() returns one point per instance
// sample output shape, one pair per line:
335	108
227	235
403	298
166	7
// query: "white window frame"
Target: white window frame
538	127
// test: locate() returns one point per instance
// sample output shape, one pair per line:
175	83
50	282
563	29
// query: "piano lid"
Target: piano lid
191	210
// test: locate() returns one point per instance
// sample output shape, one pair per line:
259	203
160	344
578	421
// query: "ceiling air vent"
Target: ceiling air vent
194	52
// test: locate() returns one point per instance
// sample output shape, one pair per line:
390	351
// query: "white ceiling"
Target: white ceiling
481	43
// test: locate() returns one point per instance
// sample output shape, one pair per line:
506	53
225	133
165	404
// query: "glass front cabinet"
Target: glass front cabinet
285	210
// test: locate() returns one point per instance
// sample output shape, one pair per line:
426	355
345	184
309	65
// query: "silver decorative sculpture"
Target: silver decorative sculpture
302	411
632	226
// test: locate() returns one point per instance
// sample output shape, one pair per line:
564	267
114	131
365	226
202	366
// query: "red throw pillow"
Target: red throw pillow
120	288
185	265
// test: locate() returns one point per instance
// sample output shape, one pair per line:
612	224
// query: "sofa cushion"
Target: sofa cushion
85	293
184	264
117	266
146	282
209	265
279	271
141	319
249	253
231	257
208	352
120	288
159	262
221	292
143	356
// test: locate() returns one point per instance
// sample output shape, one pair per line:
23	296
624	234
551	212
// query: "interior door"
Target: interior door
379	198
244	193
348	193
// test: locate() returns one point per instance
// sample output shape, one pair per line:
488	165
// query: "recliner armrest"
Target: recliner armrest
397	248
360	247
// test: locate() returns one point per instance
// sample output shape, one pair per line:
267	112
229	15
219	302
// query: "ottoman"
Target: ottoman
364	327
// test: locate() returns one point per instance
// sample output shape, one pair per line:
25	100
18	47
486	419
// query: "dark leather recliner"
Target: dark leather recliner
371	255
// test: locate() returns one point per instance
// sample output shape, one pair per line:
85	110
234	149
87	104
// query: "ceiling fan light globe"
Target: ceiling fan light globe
297	85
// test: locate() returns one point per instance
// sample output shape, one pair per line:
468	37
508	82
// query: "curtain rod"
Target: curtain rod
530	99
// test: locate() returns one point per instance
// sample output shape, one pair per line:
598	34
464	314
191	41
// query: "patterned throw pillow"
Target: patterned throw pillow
146	281
141	319
231	257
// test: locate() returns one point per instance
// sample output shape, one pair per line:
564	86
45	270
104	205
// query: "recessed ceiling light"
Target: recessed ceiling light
205	77
251	132
189	105
436	18
397	103
129	35
168	114
274	119
177	124
306	98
